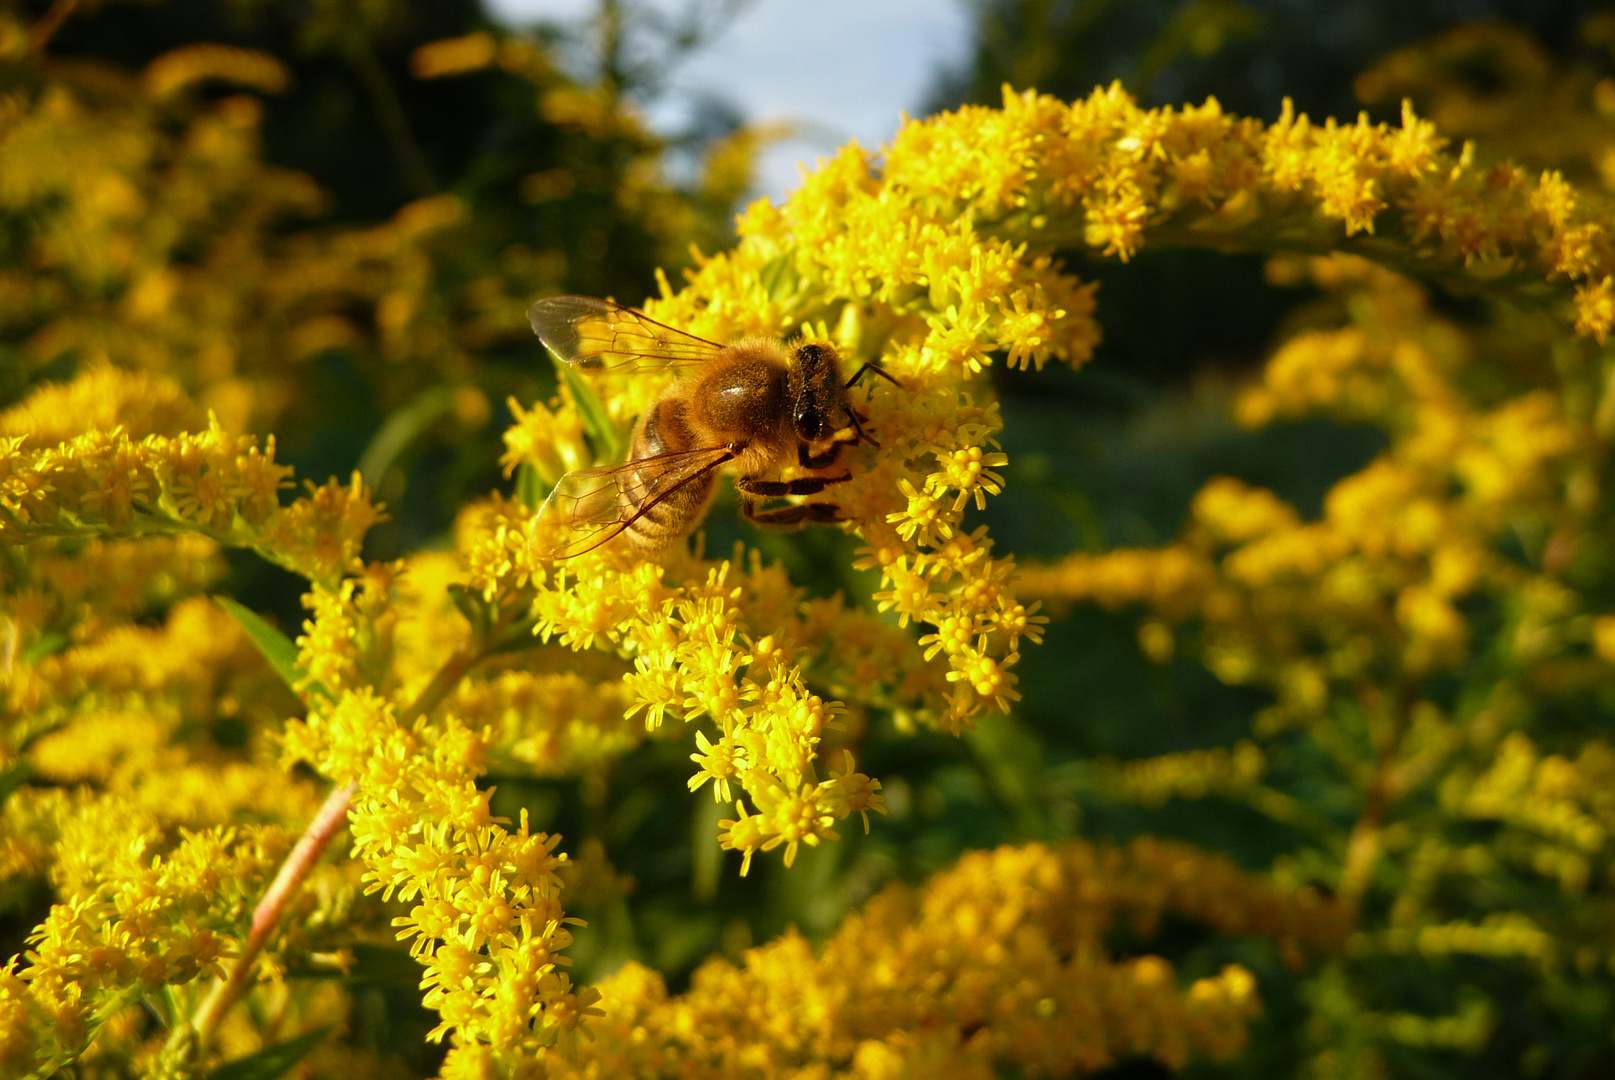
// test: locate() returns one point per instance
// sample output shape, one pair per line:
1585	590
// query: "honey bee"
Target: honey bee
750	407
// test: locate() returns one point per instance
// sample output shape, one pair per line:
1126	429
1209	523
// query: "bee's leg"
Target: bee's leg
863	436
786	517
805	485
809	460
817	461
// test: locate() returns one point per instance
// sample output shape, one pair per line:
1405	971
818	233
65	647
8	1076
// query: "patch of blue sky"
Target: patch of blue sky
834	69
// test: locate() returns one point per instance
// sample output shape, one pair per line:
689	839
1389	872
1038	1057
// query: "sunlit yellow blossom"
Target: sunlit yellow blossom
428	837
146	916
976	968
101	400
220	485
551	442
146	739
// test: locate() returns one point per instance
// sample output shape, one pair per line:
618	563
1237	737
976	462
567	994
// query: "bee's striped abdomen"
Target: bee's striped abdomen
665	429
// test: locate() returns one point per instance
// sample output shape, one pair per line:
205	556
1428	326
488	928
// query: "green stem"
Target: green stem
1304	234
1288	809
455	668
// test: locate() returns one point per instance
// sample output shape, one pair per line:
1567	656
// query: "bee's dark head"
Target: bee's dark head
816	391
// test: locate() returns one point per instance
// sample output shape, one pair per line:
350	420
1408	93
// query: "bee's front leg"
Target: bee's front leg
787	517
809	460
802	485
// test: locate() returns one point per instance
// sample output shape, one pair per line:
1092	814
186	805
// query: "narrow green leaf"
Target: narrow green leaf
13	777
470	605
530	487
272	1062
402	427
512	637
596	421
706	854
48	645
381	964
276	646
372	965
779	277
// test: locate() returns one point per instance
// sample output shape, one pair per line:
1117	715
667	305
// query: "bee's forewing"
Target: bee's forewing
599	334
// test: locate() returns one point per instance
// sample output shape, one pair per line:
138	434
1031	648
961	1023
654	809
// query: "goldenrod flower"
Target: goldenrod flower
416	677
995	963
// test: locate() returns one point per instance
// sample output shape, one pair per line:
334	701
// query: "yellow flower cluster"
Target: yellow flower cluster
156	839
1562	810
135	188
997	963
941	257
1190	774
1445	602
221	486
697	651
1303	606
104	398
106	709
932	262
149	797
102	582
137	919
121	706
1104	173
556	723
486	918
549	442
911	285
1497	85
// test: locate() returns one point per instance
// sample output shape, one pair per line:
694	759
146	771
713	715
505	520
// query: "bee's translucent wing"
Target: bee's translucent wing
590	506
598	334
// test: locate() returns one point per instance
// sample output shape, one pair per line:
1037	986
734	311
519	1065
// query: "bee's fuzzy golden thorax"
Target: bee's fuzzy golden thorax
742	397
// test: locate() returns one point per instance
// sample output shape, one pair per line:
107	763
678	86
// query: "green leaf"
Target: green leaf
530	487
706	854
596	421
402	427
276	646
13	777
470	605
271	1062
48	645
512	637
382	964
779	277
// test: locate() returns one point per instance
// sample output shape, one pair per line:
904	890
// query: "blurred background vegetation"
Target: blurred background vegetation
389	192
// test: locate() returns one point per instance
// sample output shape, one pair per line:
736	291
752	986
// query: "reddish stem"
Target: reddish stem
310	846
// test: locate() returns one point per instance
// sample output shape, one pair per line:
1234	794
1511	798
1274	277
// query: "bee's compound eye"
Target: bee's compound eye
809	418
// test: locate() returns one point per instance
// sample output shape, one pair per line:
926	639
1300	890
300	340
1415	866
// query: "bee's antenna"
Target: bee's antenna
878	370
857	425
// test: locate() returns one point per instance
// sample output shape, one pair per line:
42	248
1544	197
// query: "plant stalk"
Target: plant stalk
310	846
192	1038
41	32
1363	846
